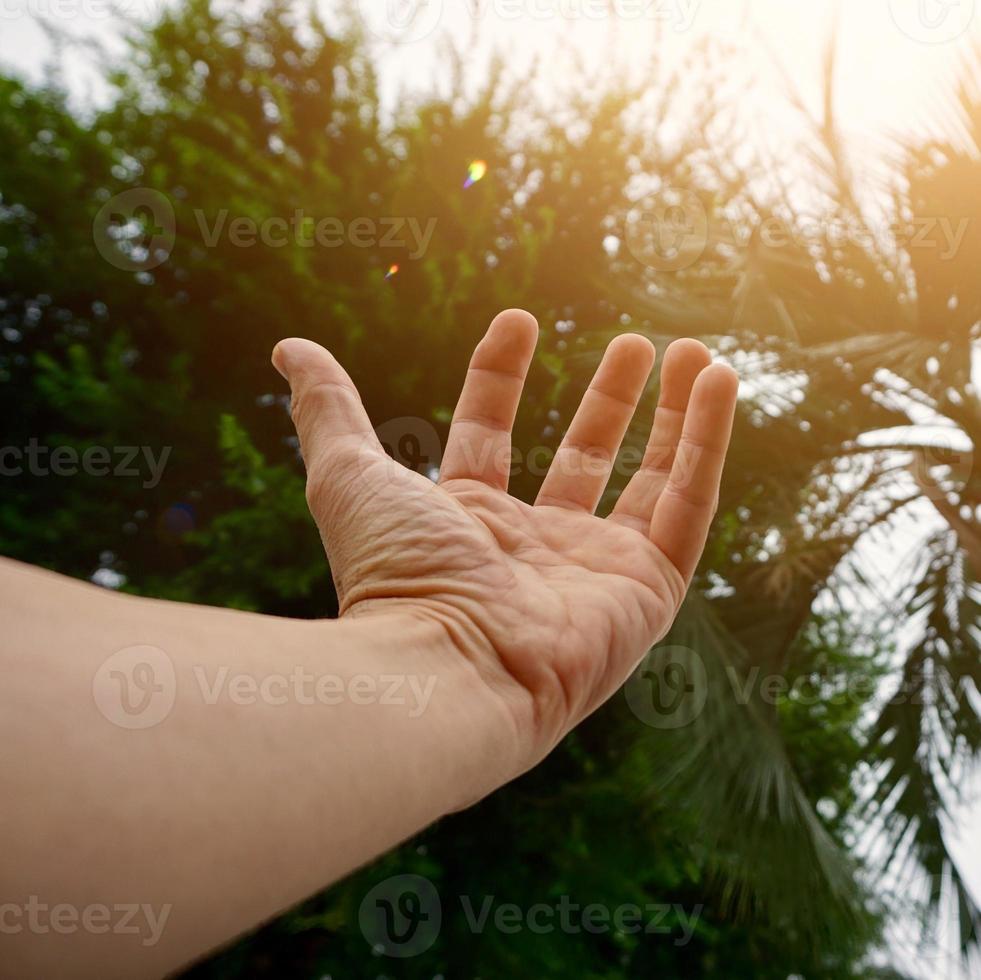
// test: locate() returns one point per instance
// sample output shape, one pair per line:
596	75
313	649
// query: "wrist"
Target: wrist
471	717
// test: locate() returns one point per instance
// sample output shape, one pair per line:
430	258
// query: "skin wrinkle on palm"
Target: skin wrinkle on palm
655	564
524	618
887	561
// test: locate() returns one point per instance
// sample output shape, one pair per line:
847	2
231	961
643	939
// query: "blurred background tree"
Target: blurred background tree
859	417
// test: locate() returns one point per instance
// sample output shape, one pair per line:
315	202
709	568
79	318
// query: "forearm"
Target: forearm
210	768
293	752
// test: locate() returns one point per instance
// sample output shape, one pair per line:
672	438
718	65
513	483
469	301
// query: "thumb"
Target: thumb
325	406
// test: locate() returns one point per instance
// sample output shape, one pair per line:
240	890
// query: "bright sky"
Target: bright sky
896	57
893	65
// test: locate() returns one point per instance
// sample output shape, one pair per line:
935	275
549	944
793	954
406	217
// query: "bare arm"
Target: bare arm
214	767
292	753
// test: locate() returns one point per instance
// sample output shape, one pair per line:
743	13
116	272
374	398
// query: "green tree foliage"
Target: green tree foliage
748	812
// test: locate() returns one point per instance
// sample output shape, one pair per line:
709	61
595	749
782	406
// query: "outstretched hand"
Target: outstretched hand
553	606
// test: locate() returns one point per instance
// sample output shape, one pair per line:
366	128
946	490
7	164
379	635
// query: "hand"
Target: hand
553	606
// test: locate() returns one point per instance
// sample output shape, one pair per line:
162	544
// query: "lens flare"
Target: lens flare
475	172
392	269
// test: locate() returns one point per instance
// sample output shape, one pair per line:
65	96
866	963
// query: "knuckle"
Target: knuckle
685	493
315	488
298	410
335	473
308	402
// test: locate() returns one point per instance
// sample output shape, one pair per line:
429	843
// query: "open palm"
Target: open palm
553	605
